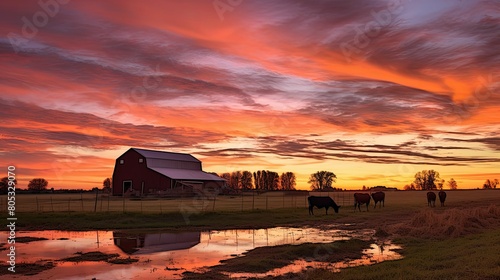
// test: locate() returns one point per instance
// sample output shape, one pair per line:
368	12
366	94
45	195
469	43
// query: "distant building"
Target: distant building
142	172
382	188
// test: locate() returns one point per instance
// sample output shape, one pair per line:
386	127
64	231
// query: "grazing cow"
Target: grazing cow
361	198
378	197
320	202
431	199
442	197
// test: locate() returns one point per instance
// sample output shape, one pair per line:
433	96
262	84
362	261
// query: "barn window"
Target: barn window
141	160
121	161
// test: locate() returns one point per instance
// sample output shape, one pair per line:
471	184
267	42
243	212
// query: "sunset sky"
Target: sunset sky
373	91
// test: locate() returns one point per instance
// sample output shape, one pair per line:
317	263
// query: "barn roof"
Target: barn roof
187	174
165	155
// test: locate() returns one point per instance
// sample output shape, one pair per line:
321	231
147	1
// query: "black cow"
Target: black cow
431	199
320	202
361	198
378	197
442	197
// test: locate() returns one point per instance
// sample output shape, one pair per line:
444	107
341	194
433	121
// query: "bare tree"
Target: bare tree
322	180
4	184
266	180
452	184
106	185
427	180
490	184
235	180
246	180
226	176
409	187
288	181
274	180
38	184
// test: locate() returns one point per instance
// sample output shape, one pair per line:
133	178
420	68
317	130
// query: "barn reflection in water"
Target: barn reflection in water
137	244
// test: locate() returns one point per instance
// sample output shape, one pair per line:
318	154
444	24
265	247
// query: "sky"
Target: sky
373	91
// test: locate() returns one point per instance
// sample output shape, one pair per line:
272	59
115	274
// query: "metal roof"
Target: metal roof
165	155
187	174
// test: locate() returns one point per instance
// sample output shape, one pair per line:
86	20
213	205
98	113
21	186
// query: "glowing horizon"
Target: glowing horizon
373	91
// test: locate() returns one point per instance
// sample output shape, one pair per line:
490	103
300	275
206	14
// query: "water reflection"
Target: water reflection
168	255
376	254
155	242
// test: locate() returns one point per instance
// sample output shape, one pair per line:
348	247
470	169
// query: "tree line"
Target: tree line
35	185
269	180
430	180
260	180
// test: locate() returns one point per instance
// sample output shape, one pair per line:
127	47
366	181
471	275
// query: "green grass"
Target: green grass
472	257
174	221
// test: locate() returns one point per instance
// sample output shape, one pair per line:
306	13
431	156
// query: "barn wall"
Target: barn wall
133	170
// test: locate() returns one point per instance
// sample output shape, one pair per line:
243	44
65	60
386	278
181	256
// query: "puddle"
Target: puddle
376	254
168	255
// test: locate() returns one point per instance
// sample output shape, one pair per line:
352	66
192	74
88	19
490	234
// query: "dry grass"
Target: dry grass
453	222
99	257
28	269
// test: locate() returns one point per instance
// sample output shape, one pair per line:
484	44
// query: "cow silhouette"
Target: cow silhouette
378	197
320	202
442	197
361	198
431	199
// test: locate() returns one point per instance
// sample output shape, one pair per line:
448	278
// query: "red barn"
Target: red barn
143	172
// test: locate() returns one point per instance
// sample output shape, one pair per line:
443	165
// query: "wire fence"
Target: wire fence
203	202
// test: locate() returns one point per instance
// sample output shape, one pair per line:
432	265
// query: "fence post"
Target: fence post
101	203
253	200
95	204
213	205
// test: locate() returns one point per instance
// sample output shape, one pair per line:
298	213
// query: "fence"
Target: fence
92	202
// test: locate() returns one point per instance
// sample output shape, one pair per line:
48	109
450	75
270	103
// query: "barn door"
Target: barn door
126	186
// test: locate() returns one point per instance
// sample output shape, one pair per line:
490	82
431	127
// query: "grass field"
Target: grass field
458	241
88	202
472	257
